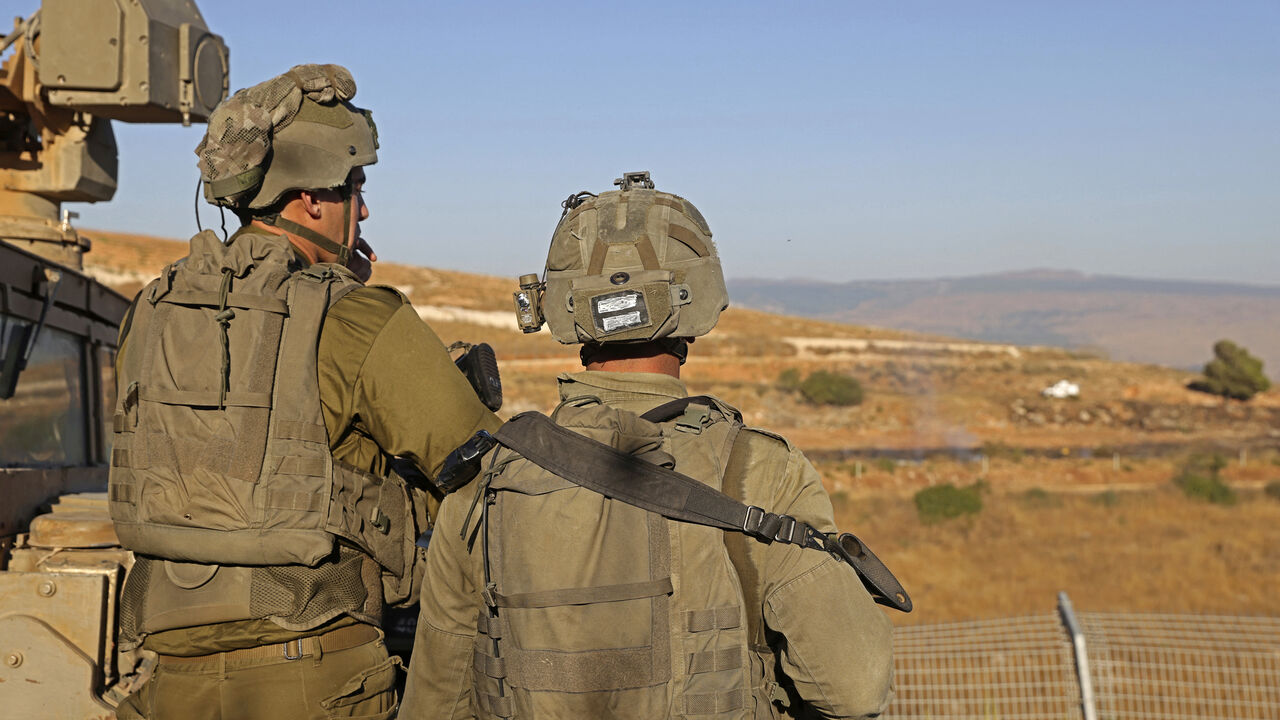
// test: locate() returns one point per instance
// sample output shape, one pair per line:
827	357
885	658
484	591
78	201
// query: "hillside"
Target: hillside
1077	493
1168	322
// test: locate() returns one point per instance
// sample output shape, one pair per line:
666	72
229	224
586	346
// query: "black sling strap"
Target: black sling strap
614	474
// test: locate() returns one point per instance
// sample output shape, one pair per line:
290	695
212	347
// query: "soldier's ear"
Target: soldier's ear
310	204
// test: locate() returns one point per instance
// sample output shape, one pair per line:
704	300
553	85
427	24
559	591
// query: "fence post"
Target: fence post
1068	615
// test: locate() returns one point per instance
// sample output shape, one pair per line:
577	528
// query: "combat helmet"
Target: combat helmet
296	131
630	265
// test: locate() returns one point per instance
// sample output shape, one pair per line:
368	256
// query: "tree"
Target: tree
1232	373
828	388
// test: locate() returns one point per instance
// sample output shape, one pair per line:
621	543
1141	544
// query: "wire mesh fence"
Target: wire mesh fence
1133	666
1184	666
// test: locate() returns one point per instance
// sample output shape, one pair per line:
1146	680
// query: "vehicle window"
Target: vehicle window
107	396
45	423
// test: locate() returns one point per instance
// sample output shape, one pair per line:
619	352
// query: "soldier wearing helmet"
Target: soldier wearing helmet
263	394
560	594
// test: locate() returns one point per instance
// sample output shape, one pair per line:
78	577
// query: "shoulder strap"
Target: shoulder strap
669	410
734	484
605	470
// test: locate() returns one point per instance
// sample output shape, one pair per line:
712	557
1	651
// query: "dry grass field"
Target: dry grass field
1078	493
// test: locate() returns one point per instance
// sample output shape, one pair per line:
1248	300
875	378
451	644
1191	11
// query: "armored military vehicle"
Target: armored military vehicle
66	72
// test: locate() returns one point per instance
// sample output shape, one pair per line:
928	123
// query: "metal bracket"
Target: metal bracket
632	180
297	644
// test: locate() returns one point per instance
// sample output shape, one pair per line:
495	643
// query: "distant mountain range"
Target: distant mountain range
1166	322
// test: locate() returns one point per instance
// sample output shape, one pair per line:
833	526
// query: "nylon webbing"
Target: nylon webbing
668	410
711	703
634	481
223	318
342	251
488	665
721	618
596	264
614	474
235	300
204	398
715	660
687	237
228	186
585	596
734	483
490	626
289	500
583	672
496	706
301	430
648	258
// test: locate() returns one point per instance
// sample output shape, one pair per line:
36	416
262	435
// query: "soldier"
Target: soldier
263	394
550	600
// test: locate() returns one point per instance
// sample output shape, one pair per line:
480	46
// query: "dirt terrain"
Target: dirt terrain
1077	492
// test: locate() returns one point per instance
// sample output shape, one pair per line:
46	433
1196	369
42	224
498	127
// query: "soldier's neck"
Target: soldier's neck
308	251
663	363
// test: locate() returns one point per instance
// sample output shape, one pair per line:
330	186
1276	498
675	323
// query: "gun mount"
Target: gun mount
73	67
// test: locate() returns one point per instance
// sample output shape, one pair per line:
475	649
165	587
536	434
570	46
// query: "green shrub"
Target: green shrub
1232	373
1039	497
886	464
1200	478
946	501
1272	490
789	379
828	388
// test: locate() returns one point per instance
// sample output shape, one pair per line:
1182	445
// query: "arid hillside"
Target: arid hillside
1076	494
1169	322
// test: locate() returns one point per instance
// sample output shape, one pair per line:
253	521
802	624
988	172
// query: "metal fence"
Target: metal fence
1090	666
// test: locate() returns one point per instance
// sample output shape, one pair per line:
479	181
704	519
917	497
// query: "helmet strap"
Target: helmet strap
343	250
678	347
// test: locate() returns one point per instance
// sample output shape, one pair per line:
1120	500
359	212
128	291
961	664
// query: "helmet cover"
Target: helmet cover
296	131
632	265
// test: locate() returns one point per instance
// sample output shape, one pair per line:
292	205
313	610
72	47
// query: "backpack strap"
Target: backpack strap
734	483
614	474
674	408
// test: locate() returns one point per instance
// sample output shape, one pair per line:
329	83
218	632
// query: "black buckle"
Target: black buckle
749	526
789	536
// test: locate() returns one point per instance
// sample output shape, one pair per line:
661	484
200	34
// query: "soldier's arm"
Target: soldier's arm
439	683
836	643
393	379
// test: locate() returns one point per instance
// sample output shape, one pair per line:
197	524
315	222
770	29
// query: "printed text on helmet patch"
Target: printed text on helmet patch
619	311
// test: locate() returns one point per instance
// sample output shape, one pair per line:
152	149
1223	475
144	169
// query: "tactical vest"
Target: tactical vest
221	454
594	607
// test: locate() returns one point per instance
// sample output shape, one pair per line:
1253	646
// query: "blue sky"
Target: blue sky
837	141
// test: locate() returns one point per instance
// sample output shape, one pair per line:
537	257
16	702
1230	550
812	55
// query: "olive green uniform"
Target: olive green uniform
828	648
387	388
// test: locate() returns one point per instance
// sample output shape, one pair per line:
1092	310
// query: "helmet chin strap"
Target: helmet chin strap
343	250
